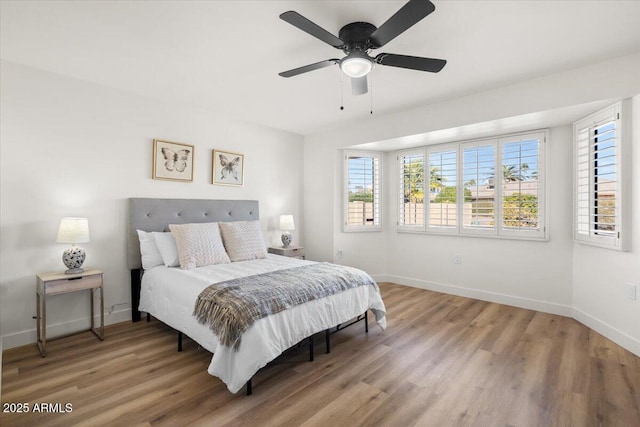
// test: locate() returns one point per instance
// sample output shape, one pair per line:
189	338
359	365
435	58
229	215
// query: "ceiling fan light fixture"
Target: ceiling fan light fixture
356	66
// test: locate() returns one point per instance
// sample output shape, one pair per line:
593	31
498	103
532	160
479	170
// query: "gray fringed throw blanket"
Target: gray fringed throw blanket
230	308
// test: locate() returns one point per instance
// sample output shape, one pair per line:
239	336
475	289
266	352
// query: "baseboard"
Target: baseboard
603	328
622	339
530	304
61	329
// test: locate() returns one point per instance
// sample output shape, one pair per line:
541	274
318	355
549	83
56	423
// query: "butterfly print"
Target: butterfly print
229	168
177	161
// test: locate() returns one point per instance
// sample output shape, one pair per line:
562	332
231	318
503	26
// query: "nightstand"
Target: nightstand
291	251
61	283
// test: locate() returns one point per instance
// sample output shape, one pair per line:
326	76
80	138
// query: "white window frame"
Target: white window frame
619	113
378	204
498	230
400	188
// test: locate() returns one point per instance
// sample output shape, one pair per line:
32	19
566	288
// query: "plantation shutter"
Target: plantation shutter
362	201
443	189
412	190
522	201
479	186
598	205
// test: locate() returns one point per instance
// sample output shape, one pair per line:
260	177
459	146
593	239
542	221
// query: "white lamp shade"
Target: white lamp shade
286	222
73	230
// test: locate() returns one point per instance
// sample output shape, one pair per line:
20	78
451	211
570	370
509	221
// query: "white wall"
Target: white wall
505	271
71	148
537	275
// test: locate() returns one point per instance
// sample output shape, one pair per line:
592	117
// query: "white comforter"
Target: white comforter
169	294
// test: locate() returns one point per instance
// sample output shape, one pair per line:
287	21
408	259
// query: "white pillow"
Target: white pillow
243	240
199	244
168	250
149	250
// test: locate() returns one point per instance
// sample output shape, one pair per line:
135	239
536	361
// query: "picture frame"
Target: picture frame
227	168
173	161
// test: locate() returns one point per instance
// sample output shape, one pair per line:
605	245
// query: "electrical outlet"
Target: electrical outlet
113	307
457	259
631	291
339	254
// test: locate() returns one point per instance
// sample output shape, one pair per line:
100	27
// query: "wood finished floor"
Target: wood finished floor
443	361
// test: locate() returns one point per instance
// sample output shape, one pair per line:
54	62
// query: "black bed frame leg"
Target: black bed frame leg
179	341
148	317
136	279
366	321
311	348
327	340
249	388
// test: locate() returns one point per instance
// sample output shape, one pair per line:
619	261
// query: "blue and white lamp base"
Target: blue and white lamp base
73	258
287	238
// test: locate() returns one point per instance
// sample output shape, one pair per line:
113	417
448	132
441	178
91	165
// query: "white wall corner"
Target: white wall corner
616	335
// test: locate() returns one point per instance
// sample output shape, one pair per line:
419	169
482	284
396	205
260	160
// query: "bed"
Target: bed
169	294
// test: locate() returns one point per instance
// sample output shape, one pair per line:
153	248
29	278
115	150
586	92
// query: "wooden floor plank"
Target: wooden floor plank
444	360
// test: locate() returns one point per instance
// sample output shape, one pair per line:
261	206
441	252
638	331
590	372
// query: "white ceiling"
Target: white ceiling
226	55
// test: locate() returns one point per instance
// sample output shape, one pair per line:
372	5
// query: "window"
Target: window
411	191
362	191
599	207
466	195
443	189
479	186
522	193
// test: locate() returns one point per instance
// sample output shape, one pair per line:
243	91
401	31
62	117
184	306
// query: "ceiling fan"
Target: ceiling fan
358	38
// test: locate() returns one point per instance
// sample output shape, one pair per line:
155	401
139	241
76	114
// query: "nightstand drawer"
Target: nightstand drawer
71	285
293	251
51	284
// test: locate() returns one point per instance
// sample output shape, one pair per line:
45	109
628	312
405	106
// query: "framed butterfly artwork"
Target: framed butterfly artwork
228	168
172	161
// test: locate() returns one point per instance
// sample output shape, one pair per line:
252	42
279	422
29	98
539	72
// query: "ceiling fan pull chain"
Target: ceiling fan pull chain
371	95
341	91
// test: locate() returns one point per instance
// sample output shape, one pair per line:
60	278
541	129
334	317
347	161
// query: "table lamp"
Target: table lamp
286	225
73	230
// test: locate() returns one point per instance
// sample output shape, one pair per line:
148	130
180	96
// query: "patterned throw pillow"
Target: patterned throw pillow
199	244
243	240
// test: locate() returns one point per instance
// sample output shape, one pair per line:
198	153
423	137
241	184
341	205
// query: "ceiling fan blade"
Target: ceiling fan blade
297	20
309	67
359	85
408	15
411	62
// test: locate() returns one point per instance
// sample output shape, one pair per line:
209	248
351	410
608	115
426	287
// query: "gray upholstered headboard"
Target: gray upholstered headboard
157	214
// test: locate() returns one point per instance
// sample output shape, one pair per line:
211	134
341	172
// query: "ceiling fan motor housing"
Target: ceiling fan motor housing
356	37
